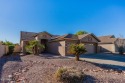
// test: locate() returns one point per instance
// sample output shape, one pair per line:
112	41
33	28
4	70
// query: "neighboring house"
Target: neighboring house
60	44
110	43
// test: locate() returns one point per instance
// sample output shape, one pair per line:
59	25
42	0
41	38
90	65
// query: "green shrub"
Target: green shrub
10	46
69	75
11	49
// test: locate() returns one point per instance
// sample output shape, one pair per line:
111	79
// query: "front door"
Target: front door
44	42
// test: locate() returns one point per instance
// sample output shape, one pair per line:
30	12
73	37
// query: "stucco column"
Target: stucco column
23	44
96	47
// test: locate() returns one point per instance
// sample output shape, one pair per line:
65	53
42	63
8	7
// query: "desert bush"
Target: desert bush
69	75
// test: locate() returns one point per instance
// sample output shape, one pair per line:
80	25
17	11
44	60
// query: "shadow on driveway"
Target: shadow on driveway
108	61
108	66
112	57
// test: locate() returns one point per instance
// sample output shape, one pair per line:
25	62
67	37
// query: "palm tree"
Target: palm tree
34	46
77	50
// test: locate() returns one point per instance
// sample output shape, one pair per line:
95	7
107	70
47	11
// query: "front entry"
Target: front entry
44	42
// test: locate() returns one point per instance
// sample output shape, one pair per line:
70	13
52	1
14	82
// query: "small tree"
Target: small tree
34	47
120	43
121	46
77	50
81	32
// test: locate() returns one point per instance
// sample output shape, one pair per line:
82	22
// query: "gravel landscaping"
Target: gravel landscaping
41	69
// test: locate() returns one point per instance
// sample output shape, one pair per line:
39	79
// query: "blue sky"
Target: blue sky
101	17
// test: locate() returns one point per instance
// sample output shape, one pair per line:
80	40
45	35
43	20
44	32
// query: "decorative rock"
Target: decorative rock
111	70
107	70
10	76
21	79
12	82
95	70
17	73
100	70
123	72
119	71
25	70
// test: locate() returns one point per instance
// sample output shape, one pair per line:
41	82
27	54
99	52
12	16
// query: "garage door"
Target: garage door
90	48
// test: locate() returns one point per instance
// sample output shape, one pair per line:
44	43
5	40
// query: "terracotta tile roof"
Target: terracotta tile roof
69	36
107	36
75	37
31	35
108	39
44	32
84	35
54	36
27	35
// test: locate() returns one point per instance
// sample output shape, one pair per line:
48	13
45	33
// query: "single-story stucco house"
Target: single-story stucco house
110	43
60	44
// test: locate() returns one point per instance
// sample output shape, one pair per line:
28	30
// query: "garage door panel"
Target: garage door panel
90	48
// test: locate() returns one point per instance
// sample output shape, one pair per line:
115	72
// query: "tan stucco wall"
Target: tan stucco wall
3	50
56	47
107	48
22	45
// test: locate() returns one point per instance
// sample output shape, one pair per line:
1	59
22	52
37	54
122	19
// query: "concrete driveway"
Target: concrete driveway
113	60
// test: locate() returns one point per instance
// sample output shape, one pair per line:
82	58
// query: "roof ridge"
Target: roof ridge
28	32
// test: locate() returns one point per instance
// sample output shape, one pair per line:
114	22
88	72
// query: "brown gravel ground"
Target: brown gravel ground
40	69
